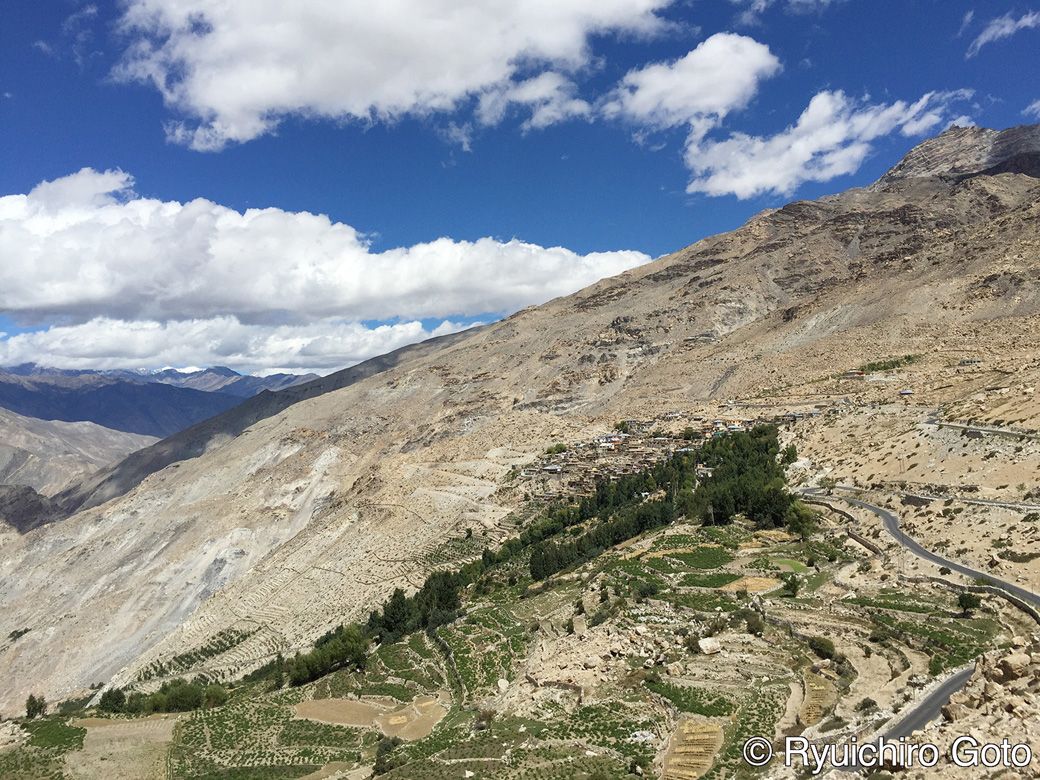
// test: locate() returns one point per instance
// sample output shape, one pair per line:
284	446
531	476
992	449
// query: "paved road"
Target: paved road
1016	505
923	713
986	429
892	526
928	709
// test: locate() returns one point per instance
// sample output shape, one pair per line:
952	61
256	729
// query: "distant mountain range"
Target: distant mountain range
211	380
158	403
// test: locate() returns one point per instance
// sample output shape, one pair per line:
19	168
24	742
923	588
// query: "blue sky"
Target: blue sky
402	161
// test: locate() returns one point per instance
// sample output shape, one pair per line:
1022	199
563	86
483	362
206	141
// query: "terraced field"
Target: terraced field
663	655
692	750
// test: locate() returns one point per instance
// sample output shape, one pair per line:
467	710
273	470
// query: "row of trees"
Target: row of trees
35	706
550	557
437	602
747	478
174	696
347	646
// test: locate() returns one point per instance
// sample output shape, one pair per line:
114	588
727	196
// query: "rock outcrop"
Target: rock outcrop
1000	701
962	152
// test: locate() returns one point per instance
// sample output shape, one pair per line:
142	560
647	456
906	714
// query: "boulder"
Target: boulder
709	645
1014	665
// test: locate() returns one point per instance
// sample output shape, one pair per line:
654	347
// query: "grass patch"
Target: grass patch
705	601
695	700
55	733
715	579
796	566
704	557
889	364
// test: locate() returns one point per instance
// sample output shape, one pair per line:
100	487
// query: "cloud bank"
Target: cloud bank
235	70
721	76
320	346
88	251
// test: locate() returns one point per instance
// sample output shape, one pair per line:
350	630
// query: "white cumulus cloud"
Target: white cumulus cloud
831	138
86	245
1003	27
550	97
236	68
87	251
1033	109
321	346
720	75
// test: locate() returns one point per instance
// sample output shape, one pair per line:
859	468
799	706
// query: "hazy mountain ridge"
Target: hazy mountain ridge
225	380
48	455
211	380
345	493
143	408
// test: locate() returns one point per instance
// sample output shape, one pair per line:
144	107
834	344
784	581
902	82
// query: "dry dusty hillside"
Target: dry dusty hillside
311	516
49	454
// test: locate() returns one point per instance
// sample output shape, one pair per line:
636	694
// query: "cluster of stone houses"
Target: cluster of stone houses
633	447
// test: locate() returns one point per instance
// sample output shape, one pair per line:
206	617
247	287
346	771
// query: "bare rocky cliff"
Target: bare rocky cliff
961	152
291	522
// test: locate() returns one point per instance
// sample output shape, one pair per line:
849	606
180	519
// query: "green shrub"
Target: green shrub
822	646
34	706
112	700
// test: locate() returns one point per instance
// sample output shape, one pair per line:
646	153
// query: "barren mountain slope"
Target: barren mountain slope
313	515
47	454
212	432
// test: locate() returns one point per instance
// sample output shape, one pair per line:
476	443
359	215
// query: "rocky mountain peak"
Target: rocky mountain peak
962	152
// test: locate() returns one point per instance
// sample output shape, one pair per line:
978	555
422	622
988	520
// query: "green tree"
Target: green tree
752	620
214	696
968	601
181	696
399	615
384	763
822	646
138	702
792	584
35	706
112	700
801	520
